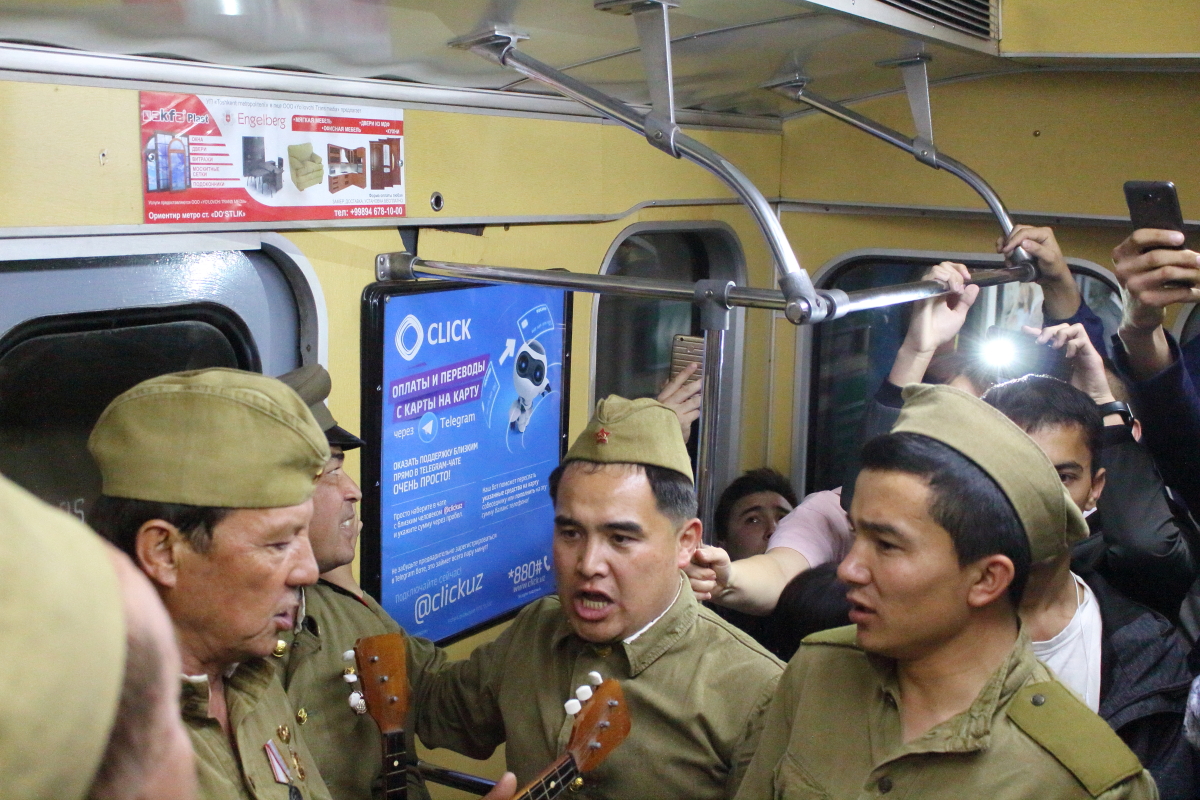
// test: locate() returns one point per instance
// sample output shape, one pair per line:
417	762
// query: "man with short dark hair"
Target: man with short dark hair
1084	629
749	509
936	692
695	686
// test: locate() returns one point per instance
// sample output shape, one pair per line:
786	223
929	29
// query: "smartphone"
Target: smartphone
687	350
1154	204
1004	354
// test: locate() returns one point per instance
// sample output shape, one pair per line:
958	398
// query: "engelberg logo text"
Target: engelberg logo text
450	593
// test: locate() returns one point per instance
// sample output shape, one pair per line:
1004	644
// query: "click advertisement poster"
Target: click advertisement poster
238	159
470	407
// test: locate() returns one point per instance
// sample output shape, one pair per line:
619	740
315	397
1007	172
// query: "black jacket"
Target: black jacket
1144	681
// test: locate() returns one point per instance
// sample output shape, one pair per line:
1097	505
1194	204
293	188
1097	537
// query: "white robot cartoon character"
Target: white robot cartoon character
529	378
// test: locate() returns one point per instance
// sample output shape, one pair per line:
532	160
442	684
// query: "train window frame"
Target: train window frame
288	278
723	247
806	383
255	288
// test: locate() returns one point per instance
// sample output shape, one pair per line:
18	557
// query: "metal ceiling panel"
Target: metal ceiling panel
723	50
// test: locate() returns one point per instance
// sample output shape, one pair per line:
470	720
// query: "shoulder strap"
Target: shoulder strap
1081	741
846	636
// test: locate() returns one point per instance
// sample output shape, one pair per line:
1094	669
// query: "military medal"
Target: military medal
278	765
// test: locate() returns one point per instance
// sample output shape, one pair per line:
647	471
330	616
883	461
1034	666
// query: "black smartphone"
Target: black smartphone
1154	204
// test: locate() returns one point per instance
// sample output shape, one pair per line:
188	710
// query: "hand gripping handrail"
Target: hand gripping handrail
803	302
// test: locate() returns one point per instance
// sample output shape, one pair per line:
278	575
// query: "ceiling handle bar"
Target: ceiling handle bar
405	266
804	304
798	90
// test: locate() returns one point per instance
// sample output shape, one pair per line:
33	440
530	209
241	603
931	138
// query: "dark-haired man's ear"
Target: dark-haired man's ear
1098	481
156	548
689	540
992	576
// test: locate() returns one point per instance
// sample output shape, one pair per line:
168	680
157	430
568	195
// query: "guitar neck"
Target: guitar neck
395	767
554	782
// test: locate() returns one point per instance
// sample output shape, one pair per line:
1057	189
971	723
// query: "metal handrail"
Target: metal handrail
405	266
923	152
804	304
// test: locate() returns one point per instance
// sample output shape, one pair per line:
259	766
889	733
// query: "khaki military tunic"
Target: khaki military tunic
347	746
696	689
834	731
259	712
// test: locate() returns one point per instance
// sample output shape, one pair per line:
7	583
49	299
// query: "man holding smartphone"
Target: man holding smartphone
1154	276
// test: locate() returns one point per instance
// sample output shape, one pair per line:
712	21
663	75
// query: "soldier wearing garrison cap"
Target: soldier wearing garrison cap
696	687
344	741
935	692
207	483
89	666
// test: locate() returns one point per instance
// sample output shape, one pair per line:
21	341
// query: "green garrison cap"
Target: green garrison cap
641	431
313	385
62	650
213	437
1051	519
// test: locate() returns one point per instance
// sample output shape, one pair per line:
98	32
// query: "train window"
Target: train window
633	336
851	357
46	413
91	327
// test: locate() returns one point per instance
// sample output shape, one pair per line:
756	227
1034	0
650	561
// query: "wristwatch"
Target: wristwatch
1116	407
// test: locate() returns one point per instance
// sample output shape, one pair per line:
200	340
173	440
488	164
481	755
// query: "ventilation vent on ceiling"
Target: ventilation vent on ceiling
976	17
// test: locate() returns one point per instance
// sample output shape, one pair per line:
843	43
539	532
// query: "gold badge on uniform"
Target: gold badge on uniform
285	735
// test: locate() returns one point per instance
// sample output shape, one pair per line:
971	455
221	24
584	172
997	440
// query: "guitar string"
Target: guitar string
394	750
561	777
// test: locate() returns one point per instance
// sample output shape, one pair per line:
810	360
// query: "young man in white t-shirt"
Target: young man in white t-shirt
1123	660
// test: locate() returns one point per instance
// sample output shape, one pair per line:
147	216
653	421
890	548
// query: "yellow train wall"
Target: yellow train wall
1054	142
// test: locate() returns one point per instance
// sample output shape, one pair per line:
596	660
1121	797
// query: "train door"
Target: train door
632	336
846	360
100	314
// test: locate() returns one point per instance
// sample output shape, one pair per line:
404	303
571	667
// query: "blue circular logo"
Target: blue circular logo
427	428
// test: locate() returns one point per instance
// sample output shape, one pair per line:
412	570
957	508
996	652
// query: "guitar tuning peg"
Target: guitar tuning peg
573	706
358	703
348	655
595	678
349	676
583	693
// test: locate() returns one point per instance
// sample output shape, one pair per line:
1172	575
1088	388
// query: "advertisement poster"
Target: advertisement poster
471	430
237	159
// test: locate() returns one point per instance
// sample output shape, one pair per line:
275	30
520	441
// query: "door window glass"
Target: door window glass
852	356
57	374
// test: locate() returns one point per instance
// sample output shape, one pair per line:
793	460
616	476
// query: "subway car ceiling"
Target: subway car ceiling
1025	92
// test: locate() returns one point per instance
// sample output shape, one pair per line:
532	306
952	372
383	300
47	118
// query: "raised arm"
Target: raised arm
1163	390
1147	551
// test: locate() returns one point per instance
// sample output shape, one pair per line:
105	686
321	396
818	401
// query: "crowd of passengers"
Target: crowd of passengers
1001	601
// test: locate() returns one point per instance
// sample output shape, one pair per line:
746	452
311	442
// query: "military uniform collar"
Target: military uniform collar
650	643
970	730
245	683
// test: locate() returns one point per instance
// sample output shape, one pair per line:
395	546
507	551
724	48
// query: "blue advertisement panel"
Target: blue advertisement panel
471	403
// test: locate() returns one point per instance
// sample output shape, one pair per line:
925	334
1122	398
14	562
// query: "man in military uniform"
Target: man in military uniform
208	479
935	692
88	666
345	742
695	686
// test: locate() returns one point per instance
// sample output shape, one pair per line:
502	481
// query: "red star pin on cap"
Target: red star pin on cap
602	436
